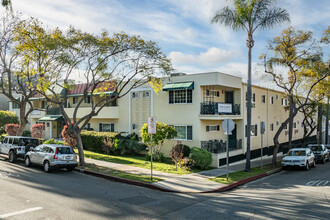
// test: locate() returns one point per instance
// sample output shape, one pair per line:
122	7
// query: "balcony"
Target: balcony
53	111
220	111
219	146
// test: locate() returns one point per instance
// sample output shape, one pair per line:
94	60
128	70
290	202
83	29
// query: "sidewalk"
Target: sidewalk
192	183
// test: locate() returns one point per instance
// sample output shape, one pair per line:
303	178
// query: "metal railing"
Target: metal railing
211	108
53	111
219	146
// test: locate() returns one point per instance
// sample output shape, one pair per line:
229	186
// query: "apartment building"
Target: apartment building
195	104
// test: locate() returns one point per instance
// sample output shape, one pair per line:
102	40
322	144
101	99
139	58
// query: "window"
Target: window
146	94
272	100
254	130
284	102
107	127
253	97
184	132
210	128
87	99
271	127
135	95
15	141
15	105
180	96
43	104
135	126
277	123
263	99
276	97
212	93
87	126
286	126
74	100
294	125
113	102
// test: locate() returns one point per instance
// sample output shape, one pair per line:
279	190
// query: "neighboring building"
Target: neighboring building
4	102
195	105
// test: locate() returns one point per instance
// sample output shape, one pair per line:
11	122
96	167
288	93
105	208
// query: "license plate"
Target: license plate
68	158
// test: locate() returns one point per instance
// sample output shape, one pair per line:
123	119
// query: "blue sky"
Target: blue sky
182	28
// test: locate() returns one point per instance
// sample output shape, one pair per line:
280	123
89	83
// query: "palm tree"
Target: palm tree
7	4
250	15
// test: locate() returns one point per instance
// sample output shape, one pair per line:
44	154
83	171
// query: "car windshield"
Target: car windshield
297	153
27	141
315	148
64	150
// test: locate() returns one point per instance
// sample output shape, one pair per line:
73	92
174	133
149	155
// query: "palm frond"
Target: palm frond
228	17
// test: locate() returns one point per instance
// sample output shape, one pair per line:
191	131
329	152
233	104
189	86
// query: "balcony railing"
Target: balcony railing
219	146
213	108
53	111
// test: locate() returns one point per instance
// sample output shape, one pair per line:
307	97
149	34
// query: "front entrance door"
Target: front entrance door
60	125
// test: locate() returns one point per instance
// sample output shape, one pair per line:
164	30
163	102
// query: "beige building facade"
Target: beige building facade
196	105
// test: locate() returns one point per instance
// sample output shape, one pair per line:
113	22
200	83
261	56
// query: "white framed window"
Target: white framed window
213	93
294	125
184	132
180	96
253	131
74	100
87	99
271	100
106	127
263	99
146	94
277	97
271	127
253	100
284	102
135	95
87	126
15	105
212	128
277	123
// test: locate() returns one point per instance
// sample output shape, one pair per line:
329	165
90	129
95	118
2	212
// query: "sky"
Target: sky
182	28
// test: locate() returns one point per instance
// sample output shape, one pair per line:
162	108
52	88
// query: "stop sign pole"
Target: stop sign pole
228	126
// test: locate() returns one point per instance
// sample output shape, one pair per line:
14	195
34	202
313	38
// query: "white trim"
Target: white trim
186	103
215	130
186	133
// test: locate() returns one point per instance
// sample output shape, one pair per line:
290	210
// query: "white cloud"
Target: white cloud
213	56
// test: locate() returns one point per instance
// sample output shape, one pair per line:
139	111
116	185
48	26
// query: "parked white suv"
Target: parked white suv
17	146
299	157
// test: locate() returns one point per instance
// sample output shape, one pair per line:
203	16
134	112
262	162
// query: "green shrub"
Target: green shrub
52	141
129	144
186	163
202	158
7	117
26	133
94	141
157	157
186	151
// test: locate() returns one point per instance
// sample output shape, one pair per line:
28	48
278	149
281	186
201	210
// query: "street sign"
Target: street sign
228	126
152	125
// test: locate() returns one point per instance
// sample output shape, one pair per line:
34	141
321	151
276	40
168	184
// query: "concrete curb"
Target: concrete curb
244	181
154	187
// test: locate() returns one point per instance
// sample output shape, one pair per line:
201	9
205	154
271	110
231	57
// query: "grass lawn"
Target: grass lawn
139	161
240	175
117	173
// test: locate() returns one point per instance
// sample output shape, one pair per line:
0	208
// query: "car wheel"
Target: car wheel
70	169
323	160
27	161
12	158
314	164
47	166
307	166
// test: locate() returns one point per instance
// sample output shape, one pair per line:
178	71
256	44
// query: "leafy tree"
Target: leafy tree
249	15
116	63
12	129
68	136
38	131
7	117
163	132
18	81
300	54
177	154
308	123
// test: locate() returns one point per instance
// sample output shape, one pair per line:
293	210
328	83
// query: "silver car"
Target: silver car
52	156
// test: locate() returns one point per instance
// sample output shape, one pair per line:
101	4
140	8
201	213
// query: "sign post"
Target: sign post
228	125
262	131
151	130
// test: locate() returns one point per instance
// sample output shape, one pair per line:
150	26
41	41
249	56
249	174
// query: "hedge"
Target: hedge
93	140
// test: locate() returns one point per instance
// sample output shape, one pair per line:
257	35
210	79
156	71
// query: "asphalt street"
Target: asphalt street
29	193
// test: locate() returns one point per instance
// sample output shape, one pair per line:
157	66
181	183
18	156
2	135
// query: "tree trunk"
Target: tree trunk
327	124
291	103
80	148
250	43
22	120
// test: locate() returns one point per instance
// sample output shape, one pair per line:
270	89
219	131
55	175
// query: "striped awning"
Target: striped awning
178	86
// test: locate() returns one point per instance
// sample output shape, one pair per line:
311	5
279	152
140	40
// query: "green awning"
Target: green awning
52	118
178	86
38	98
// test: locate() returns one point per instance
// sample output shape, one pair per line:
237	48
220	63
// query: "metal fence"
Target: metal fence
219	146
211	108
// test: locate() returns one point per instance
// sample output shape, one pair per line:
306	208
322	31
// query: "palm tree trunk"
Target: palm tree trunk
248	107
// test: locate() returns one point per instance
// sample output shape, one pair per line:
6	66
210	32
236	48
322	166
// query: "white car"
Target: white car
299	157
